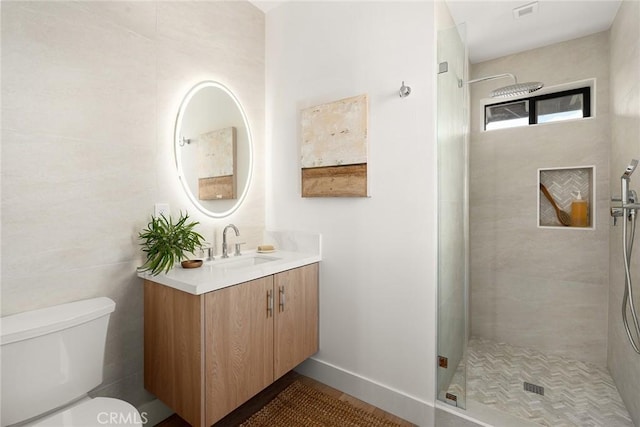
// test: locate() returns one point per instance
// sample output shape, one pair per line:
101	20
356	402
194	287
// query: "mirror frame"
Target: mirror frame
177	154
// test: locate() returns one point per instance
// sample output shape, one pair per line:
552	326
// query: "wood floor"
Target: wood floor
243	413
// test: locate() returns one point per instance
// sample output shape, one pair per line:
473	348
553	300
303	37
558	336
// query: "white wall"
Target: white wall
545	288
378	274
624	57
90	92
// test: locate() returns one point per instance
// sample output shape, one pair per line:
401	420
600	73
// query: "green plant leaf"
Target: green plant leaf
166	242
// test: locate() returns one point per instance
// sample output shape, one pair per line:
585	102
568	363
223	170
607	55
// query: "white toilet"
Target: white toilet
51	358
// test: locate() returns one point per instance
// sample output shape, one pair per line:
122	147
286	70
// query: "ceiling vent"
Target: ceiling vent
526	10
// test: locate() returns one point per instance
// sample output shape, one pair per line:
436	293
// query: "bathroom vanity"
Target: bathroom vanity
217	335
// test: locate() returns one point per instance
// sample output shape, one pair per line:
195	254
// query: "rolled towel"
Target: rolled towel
266	248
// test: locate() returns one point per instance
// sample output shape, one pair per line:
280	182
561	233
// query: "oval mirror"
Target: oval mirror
213	149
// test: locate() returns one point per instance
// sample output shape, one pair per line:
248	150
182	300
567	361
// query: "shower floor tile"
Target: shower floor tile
575	393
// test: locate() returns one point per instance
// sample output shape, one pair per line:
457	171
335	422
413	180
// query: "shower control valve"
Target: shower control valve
616	213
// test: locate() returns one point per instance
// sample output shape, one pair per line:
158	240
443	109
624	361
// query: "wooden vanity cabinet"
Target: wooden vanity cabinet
205	355
239	343
296	318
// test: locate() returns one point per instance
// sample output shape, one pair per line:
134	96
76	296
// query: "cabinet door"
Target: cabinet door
239	345
296	319
172	322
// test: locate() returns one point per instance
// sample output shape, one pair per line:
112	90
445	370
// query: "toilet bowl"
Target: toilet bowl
51	359
100	411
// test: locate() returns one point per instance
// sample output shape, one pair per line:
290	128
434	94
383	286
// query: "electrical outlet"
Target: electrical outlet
162	209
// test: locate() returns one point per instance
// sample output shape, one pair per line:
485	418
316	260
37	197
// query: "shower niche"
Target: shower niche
560	206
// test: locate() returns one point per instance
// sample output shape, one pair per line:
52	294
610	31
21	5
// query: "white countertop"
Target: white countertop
219	273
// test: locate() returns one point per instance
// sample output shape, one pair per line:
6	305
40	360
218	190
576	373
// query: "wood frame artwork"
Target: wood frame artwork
217	164
334	148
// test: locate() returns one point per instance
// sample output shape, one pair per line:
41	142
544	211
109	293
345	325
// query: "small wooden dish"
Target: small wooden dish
191	263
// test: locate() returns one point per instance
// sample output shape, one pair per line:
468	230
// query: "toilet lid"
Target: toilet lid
98	412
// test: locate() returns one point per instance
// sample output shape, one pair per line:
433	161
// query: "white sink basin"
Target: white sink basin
242	261
220	273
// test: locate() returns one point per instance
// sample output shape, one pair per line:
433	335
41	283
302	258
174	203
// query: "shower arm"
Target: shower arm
482	79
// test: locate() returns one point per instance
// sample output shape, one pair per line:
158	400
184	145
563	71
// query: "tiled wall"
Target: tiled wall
90	91
624	57
539	287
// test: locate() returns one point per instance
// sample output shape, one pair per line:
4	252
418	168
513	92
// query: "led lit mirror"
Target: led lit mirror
213	149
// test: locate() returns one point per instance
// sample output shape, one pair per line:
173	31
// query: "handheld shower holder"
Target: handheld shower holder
628	208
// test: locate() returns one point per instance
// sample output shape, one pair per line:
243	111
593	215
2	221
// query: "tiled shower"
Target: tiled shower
523	299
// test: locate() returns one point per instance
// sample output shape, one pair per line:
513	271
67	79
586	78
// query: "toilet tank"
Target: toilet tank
52	356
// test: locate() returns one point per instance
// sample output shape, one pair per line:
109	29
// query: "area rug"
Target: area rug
302	406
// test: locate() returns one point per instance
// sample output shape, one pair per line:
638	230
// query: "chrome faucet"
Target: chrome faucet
225	250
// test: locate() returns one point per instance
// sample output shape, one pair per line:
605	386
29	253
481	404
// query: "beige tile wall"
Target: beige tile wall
624	57
541	288
90	91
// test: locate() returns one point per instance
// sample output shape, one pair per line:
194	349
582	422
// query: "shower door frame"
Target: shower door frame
453	213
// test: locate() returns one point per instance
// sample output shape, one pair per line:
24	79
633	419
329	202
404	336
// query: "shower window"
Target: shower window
572	104
506	115
553	107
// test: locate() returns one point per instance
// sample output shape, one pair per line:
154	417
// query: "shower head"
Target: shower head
516	89
629	170
625	179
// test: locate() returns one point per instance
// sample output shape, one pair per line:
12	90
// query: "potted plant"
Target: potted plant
166	242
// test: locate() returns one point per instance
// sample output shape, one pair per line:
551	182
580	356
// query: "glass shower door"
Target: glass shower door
453	240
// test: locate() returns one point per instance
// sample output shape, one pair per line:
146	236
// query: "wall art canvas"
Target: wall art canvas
334	148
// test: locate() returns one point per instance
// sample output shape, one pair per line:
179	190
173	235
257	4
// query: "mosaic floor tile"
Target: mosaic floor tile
576	394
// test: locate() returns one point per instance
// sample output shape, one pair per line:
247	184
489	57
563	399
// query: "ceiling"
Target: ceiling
493	32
